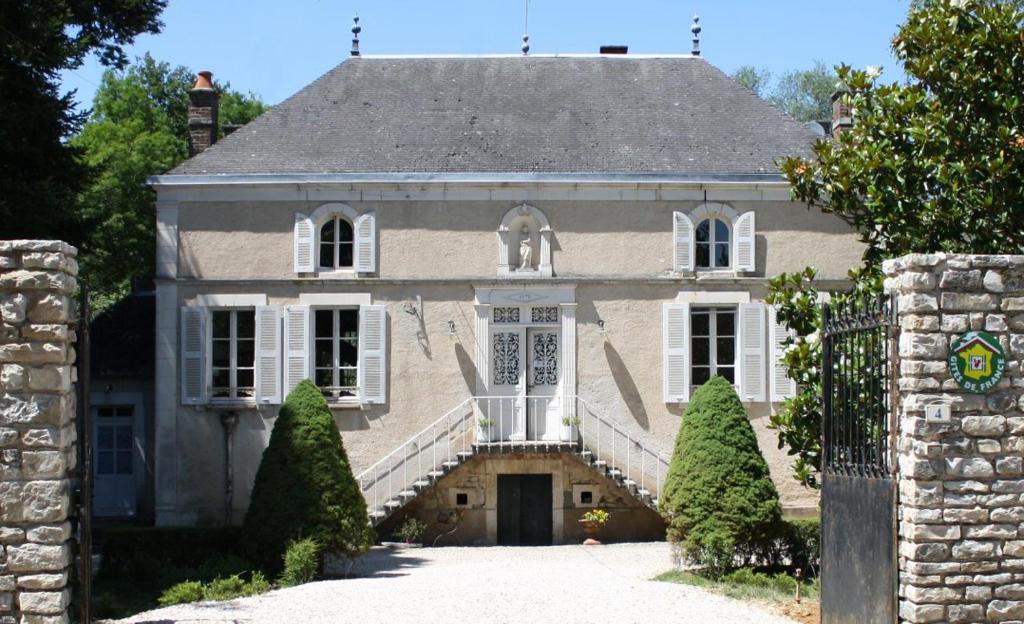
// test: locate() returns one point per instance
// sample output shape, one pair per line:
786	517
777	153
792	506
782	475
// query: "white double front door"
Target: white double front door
525	375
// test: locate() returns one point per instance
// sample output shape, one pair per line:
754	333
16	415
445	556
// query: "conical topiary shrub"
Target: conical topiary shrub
719	500
304	486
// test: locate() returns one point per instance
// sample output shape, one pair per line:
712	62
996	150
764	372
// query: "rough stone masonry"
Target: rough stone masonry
961	483
37	433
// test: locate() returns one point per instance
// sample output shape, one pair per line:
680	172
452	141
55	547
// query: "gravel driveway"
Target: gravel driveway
557	584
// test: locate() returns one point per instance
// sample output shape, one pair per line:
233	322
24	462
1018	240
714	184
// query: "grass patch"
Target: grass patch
747	584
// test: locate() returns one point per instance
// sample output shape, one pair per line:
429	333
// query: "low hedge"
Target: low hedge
147	552
801	544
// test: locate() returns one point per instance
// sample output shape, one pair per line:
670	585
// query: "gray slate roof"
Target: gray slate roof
514	115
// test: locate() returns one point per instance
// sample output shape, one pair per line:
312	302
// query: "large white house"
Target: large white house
506	273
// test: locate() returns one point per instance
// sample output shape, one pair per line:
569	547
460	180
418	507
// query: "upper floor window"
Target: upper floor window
337	244
233	354
713	242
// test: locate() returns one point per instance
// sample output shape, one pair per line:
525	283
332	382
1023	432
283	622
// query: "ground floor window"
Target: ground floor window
114	441
336	352
713	344
233	343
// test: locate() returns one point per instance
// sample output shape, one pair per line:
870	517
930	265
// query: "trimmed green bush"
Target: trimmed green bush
304	486
802	544
301	562
186	591
719	501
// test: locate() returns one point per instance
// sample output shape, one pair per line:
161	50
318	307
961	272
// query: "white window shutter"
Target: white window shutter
752	352
683	241
268	354
744	247
193	355
373	339
782	386
296	346
305	243
366	243
676	352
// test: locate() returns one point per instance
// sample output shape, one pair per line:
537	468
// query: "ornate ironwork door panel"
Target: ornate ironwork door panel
508	381
542	375
859	565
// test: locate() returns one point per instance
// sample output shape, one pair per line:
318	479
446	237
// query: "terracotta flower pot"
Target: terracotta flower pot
591	529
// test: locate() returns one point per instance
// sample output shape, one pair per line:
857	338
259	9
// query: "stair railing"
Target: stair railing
612	444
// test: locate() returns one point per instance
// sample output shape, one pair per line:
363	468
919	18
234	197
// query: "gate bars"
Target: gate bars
81	500
859	358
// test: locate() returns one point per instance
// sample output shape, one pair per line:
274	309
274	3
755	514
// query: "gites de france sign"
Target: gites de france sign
977	362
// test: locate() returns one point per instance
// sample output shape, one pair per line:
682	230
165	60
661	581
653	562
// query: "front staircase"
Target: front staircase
499	425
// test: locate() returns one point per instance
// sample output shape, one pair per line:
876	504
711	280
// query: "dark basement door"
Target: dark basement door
524	510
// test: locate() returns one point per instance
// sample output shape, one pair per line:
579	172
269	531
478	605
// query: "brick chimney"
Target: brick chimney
842	118
203	102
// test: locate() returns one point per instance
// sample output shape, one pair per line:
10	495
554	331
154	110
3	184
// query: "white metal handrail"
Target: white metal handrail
564	422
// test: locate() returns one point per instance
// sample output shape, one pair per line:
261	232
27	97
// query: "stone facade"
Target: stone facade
37	432
961	483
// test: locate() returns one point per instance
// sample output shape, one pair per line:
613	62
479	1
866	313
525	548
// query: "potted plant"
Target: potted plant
484	429
592	522
569	425
411	531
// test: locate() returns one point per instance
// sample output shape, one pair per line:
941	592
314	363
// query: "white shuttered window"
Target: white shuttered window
373	373
683	242
193	355
752	352
305	238
675	352
296	346
268	354
745	236
366	243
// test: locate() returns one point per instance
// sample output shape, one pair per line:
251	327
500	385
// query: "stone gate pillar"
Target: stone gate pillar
961	478
37	431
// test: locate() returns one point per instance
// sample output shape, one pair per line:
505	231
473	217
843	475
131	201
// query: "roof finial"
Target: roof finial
526	30
695	29
356	29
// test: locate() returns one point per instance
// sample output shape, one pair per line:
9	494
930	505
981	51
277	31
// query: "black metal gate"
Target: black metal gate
859	574
81	510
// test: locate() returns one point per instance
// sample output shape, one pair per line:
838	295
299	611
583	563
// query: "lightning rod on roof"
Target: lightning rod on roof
526	30
695	29
356	29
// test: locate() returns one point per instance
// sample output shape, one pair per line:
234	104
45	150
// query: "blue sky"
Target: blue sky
274	48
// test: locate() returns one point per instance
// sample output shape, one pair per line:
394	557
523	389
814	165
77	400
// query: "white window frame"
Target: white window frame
307	241
713	242
713	342
233	386
352	400
337	218
684	234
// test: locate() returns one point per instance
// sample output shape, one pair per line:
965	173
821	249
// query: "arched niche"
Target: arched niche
524	233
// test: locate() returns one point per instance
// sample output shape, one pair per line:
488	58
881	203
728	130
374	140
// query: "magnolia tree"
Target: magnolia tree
932	165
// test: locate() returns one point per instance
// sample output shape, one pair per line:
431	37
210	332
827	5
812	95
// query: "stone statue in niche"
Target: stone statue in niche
525	249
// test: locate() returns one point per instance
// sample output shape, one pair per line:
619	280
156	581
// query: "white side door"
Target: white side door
114	461
507	383
544	354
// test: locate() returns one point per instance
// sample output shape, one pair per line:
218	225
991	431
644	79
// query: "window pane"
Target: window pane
246	323
726	351
324	353
245	378
324	323
323	378
124	437
105	437
349	323
699	323
105	462
327	232
222	353
345	255
327	255
728	372
701	351
725	323
104	411
221	324
124	462
704	231
703	255
124	412
246	349
721	231
348	377
701	375
721	254
344	231
221	378
349	354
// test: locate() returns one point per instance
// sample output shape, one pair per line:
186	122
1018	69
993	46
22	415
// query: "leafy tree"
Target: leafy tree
304	486
138	128
719	500
40	174
931	165
805	95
